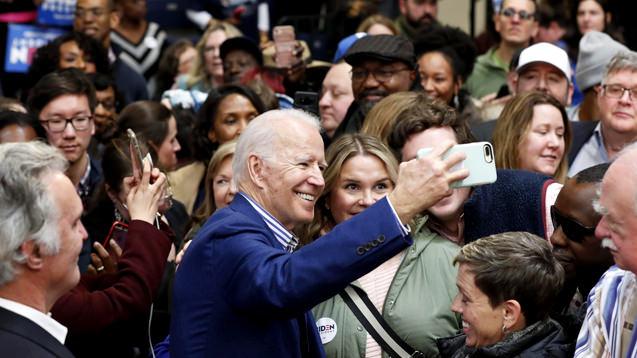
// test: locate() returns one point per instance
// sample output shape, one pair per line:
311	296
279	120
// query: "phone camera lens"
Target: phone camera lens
488	153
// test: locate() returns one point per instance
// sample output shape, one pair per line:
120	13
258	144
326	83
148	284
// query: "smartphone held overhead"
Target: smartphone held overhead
479	160
137	159
284	45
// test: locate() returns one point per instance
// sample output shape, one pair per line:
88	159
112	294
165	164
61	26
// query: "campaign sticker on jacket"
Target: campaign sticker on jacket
326	328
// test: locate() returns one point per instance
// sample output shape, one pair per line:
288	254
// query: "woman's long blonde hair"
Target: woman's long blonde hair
198	71
514	124
344	148
208	206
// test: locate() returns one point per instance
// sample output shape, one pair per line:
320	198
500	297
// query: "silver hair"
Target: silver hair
632	147
27	211
599	208
260	138
623	61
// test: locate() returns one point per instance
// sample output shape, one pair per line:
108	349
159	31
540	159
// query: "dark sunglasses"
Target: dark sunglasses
573	230
510	12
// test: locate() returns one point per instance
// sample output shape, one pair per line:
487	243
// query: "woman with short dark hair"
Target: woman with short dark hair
507	285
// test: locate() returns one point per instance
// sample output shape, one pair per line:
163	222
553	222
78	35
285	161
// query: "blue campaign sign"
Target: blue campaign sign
22	41
56	12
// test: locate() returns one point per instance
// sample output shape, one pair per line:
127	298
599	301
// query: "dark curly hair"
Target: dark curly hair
453	43
47	58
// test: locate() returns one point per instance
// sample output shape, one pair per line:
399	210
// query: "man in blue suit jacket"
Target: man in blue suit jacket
241	290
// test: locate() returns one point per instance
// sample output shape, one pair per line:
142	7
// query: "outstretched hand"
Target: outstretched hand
422	182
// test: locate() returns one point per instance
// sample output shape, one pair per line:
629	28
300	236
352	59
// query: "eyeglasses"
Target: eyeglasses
573	230
617	91
510	12
59	124
380	74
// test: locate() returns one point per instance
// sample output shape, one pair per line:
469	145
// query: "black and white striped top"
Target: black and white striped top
143	57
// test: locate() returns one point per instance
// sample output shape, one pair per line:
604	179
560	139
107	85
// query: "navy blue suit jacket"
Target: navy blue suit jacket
237	293
21	337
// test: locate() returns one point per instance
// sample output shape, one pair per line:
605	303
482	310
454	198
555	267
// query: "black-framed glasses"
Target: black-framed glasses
617	91
57	125
380	74
523	14
573	229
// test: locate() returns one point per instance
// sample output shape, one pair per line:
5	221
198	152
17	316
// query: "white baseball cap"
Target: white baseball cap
547	53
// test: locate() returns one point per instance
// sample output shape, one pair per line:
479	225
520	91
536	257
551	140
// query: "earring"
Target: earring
456	101
504	329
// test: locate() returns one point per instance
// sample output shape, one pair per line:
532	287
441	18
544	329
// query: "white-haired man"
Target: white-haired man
617	103
40	240
609	327
241	290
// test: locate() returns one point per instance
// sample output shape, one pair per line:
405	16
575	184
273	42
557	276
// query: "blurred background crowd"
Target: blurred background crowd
552	84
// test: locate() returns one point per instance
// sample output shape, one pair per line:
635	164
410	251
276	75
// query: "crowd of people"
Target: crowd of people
234	195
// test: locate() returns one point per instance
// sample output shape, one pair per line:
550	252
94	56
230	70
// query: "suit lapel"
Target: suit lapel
29	330
241	205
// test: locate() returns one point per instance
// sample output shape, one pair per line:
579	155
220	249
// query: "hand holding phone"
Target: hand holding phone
137	159
284	45
480	161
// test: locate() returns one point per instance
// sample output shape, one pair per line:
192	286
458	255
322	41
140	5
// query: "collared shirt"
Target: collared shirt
45	321
593	152
287	239
84	188
610	325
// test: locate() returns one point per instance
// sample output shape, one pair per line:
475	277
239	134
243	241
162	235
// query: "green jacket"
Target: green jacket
417	307
489	74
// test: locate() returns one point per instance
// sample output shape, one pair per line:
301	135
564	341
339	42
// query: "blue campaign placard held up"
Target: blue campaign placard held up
56	12
22	41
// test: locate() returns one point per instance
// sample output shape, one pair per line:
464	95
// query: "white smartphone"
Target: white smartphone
480	160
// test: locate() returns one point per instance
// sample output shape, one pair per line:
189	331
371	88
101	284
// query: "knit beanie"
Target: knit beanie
596	49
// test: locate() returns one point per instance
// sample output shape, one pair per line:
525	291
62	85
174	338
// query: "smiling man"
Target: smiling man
617	103
96	18
241	289
609	327
381	65
41	235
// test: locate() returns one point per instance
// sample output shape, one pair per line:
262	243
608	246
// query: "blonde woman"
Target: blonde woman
207	71
414	289
533	133
218	191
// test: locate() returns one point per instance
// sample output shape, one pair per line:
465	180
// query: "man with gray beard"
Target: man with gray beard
381	65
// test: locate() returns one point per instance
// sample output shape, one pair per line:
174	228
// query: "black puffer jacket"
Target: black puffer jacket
541	339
